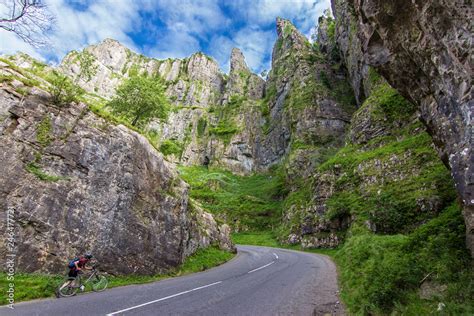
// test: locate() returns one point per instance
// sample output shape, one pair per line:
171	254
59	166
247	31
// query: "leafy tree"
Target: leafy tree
140	99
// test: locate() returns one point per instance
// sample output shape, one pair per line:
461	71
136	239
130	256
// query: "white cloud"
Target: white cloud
304	13
256	46
171	28
80	24
11	44
221	47
102	19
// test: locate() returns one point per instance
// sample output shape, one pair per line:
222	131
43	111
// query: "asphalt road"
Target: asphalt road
258	281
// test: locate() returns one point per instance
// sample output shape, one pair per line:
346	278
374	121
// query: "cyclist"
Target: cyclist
76	265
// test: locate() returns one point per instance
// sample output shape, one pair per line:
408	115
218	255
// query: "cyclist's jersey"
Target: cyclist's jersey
81	263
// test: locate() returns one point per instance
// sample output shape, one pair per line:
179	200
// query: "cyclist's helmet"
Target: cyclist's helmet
88	256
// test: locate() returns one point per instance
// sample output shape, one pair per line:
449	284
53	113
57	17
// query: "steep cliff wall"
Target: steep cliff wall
74	182
235	121
428	61
210	109
386	177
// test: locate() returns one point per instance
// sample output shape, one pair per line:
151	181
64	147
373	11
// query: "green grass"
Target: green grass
257	238
394	206
245	202
44	132
30	286
381	274
33	168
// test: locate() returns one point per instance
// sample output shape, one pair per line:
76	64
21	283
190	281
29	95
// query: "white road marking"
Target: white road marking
162	299
268	264
276	256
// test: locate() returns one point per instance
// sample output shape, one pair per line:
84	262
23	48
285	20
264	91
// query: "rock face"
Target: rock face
428	61
305	114
237	121
77	183
386	178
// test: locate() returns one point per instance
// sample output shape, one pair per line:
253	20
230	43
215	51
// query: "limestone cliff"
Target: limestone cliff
75	183
237	121
428	61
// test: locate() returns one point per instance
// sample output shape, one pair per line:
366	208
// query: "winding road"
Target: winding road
258	281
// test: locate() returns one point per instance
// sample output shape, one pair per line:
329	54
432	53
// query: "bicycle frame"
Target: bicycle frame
94	273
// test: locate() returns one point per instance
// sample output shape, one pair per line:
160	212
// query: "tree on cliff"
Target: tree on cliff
140	99
30	20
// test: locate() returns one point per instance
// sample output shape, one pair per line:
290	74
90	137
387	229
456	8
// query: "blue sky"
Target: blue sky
173	28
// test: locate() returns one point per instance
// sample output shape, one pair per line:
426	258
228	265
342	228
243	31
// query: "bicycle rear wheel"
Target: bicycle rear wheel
99	283
67	290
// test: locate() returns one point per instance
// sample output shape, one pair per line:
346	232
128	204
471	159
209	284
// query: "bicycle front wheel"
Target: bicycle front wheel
67	288
99	283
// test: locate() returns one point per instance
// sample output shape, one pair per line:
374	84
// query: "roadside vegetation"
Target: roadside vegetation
30	286
398	274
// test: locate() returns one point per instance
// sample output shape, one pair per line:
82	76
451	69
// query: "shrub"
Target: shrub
382	274
62	89
201	127
44	132
171	147
224	130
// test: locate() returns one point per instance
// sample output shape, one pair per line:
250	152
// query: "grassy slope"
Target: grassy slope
31	285
382	274
251	202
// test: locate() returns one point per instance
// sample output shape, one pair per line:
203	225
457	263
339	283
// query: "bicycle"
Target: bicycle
98	283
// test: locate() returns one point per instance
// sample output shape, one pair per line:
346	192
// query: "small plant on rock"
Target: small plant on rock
63	90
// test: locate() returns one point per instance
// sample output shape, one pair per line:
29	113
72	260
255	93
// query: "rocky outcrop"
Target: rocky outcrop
364	184
238	121
305	114
387	179
77	183
428	61
350	48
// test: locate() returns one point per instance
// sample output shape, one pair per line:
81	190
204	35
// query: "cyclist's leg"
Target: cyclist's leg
72	274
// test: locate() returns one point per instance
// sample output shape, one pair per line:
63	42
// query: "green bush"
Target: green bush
171	147
323	76
44	132
201	127
236	101
62	89
382	274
